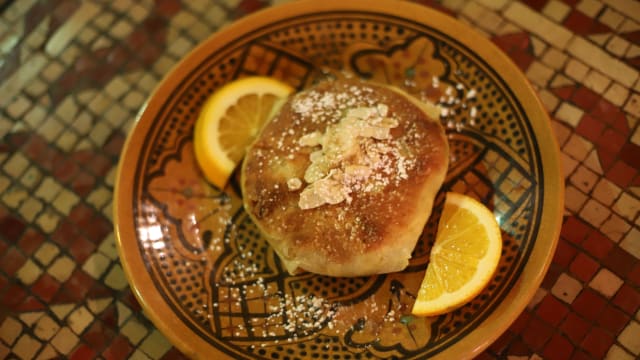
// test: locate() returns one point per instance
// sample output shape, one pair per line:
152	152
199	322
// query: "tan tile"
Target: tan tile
4	183
121	29
16	165
615	228
548	99
87	35
163	65
35	116
611	18
561	131
116	88
629	337
67	110
139	355
100	103
65	33
591	8
115	279
46	328
574	199
26	346
633	51
566	288
606	283
50	129
577	147
606	191
134	100
183	20
32	177
596	81
595	57
198	31
18	107
46	252
629	8
64	341
83	123
595	213
70	54
48	353
65	201
570	114
627	206
30	208
137	13
35	87
134	331
180	47
67	141
52	71
148	82
630	242
79	319
617	94
584	179
48	220
576	70
117	115
96	265
538	24
10	330
618	353
554	58
121	5
155	345
100	133
48	189
556	10
15	196
29	272
12	85
494	4
618	46
62	268
633	105
99	197
123	313
539	73
107	211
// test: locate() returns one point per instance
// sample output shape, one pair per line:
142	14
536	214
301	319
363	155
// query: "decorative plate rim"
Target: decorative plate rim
553	184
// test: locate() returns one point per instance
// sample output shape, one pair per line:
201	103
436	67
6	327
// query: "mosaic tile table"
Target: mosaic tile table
74	73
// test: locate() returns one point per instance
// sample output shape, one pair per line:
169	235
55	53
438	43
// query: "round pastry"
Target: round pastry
342	180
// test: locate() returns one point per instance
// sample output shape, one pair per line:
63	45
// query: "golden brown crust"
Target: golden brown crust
375	227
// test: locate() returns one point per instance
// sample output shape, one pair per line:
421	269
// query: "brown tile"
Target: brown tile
81	248
30	241
621	173
78	285
630	154
628	299
584	267
564	253
552	310
11	227
620	261
12	260
174	354
82	352
83	183
589	304
581	24
46	287
597	244
613	320
575	327
537	333
597	342
590	127
558	348
575	230
120	348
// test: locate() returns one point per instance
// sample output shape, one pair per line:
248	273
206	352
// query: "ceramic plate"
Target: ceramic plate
213	286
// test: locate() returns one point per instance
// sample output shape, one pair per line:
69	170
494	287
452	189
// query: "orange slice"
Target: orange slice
230	120
463	259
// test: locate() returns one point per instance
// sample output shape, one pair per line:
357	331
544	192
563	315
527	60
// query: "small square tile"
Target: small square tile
14	196
539	73
596	81
627	206
613	319
64	341
155	345
32	177
611	18
134	331
597	342
590	8
615	228
30	209
99	134
96	265
26	347
52	71
97	306
566	288
62	310
629	338
121	29
48	189
29	272
570	114
618	46
617	94
65	201
46	328
117	115
584	267
18	107
10	330
67	141
50	129
606	283
556	10
16	165
62	268
606	191
48	220
576	70
595	213
47	252
79	319
584	179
